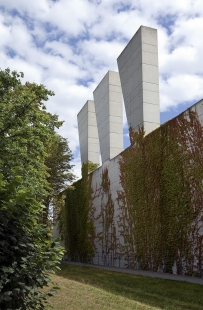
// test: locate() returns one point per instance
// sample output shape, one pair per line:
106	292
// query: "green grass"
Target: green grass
90	288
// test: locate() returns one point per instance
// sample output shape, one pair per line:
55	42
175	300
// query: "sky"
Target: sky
69	45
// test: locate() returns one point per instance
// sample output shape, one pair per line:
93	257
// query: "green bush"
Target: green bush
27	252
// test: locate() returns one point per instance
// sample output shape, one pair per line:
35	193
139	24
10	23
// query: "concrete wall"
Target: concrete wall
100	122
198	108
138	69
88	133
109	115
114	176
100	199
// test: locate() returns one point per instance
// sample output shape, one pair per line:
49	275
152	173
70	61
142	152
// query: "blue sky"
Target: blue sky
70	45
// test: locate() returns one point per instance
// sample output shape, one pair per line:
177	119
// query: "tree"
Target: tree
27	253
27	133
25	129
58	162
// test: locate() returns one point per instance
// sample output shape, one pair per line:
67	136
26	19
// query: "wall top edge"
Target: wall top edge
185	111
192	106
107	162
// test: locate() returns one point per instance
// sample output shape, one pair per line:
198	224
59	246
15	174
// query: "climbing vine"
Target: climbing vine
76	217
161	201
107	236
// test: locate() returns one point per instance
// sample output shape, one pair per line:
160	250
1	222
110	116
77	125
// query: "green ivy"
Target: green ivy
76	218
161	197
107	238
160	201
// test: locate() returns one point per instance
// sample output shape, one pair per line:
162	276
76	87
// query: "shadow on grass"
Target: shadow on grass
165	294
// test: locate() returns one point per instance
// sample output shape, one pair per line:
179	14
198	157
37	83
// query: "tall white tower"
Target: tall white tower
109	115
88	133
138	69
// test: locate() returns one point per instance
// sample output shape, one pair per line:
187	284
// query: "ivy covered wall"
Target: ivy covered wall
146	203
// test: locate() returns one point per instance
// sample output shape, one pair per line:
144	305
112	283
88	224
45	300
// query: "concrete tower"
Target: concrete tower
88	133
109	115
138	69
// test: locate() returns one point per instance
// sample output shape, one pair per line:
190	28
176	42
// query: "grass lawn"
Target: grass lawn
88	288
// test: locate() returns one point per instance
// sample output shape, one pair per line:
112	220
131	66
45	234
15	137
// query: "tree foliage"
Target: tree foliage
59	169
27	252
29	174
25	129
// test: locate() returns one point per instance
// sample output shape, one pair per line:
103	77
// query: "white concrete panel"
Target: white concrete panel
126	89
104	143
90	106
92	121
151	113
116	97
200	117
103	132
127	105
150	97
105	155
109	90
93	147
123	58
84	135
115	119
133	65
136	91
105	81
136	39
149	127
149	35
150	48
92	156
104	92
92	140
151	86
82	112
199	108
84	157
115	140
150	74
99	119
92	131
114	78
87	128
130	49
115	88
136	117
136	78
114	174
114	194
116	109
136	49
123	77
150	58
138	69
136	102
116	127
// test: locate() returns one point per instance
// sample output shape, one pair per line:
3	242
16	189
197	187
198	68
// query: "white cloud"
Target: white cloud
70	45
181	88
